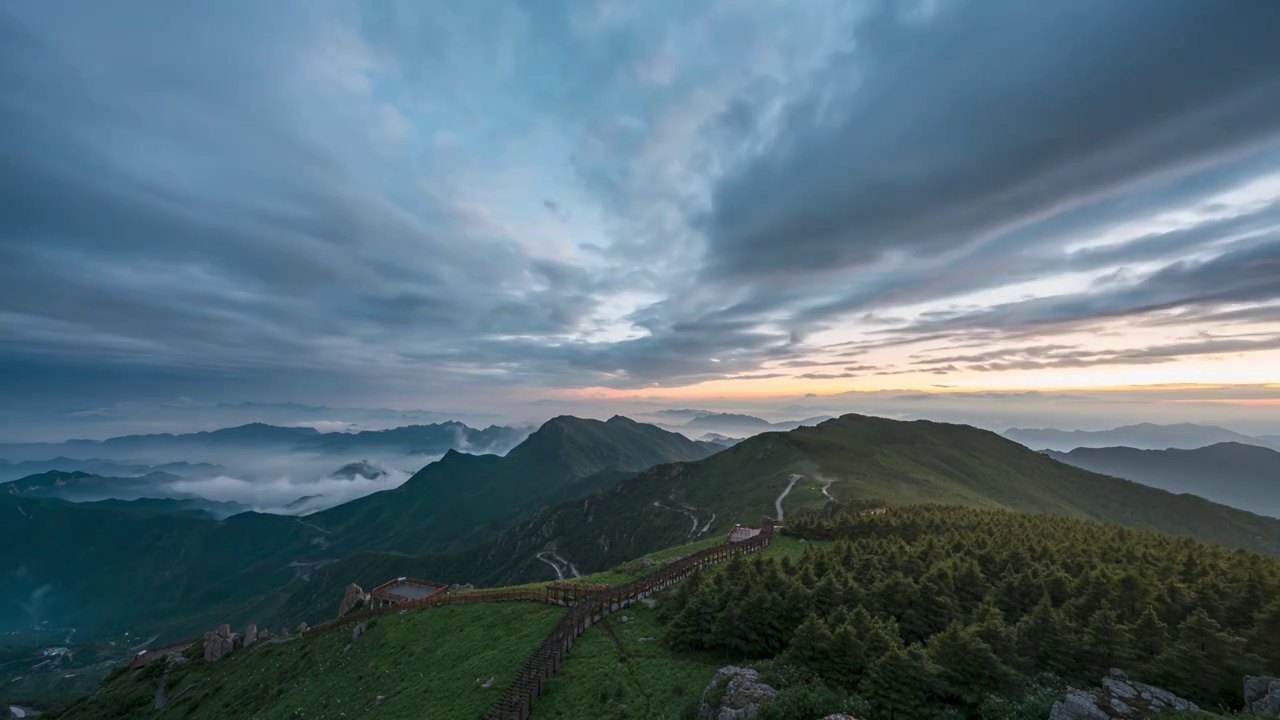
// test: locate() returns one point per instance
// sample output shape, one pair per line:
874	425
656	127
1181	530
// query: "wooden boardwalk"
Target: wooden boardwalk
587	604
516	702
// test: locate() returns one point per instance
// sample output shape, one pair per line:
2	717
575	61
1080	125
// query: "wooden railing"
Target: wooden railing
587	603
517	700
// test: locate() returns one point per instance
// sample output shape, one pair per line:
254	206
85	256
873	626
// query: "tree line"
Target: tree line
928	612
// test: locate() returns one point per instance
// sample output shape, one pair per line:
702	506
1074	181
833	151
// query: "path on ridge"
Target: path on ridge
777	504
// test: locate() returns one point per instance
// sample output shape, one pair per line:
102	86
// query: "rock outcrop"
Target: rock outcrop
303	627
250	635
353	598
1119	698
357	631
1262	695
218	643
734	694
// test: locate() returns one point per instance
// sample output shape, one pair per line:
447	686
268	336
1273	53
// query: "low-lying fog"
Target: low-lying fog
296	486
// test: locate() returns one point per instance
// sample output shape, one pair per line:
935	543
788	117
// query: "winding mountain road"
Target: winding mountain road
777	504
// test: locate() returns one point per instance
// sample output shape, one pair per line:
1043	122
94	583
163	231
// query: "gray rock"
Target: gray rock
224	630
264	634
650	603
216	646
743	694
303	627
1119	698
1262	695
624	619
379	700
647	562
353	598
357	631
250	635
1077	705
487	683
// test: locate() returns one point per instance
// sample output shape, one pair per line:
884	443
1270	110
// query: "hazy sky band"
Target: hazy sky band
383	203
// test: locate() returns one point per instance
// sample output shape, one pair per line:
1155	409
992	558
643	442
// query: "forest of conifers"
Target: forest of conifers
928	612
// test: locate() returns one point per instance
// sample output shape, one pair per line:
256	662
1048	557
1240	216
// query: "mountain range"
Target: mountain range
737	424
1235	474
855	460
97	466
576	493
1143	436
433	439
103	566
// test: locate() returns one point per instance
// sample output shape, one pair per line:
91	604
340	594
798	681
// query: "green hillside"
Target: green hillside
431	663
860	461
113	566
920	613
1242	476
110	567
462	500
864	460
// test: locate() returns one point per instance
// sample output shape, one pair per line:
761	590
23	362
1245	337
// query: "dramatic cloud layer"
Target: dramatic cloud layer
470	207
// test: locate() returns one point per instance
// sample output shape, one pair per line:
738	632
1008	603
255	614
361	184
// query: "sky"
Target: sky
1059	212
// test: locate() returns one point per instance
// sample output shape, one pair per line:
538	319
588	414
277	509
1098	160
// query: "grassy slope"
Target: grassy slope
427	664
637	679
112	568
464	499
866	460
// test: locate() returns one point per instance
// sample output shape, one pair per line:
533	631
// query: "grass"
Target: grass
431	663
637	679
633	569
426	664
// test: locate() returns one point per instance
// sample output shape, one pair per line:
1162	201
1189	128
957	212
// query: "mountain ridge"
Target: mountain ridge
1236	474
1142	436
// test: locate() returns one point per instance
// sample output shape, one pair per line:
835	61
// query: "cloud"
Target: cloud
365	203
1246	275
932	134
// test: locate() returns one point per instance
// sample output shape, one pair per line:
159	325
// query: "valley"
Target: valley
604	494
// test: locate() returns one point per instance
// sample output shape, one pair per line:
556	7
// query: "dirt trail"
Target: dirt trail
554	566
777	504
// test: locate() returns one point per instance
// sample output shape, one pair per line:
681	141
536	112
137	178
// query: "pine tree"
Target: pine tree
989	624
811	646
1150	636
1205	663
1265	638
1107	643
967	668
848	658
693	628
1044	642
900	685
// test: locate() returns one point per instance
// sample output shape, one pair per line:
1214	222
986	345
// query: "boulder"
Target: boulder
237	641
1262	695
224	630
647	562
357	631
216	646
1119	698
734	694
353	598
250	635
303	627
264	634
